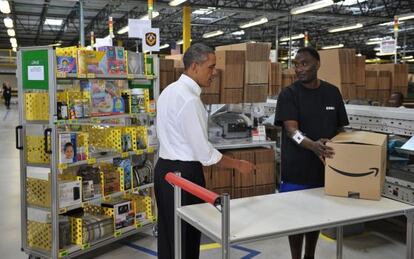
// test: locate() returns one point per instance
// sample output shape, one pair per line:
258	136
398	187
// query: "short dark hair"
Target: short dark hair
67	145
197	53
311	51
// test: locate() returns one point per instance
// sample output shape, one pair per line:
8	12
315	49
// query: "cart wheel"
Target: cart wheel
155	230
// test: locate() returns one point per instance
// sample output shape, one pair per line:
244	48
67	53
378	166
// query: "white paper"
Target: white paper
136	27
103	42
36	73
151	40
388	46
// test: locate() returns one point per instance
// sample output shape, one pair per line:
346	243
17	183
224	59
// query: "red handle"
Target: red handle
196	190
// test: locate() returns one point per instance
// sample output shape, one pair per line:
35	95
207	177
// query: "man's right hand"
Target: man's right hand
323	151
245	167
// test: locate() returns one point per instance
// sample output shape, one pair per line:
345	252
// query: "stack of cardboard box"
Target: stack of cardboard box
288	77
275	81
360	77
384	86
371	85
211	95
238	185
338	67
231	64
256	72
399	76
166	73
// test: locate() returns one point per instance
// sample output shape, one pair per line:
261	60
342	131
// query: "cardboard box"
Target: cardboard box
259	51
210	98
265	189
360	90
207	177
288	77
166	78
231	96
221	177
167	65
178	60
384	80
177	73
255	93
371	80
257	72
243	180
360	70
265	166
348	91
371	94
275	74
232	65
358	167
274	89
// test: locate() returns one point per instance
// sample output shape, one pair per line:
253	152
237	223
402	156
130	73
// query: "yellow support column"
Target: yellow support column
186	27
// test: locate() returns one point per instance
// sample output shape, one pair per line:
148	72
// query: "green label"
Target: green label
35	69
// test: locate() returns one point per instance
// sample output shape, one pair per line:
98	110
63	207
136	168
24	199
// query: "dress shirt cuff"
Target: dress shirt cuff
214	158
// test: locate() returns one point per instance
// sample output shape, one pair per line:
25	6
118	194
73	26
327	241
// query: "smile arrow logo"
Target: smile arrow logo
372	170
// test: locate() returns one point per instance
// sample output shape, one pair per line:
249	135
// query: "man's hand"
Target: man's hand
323	151
245	167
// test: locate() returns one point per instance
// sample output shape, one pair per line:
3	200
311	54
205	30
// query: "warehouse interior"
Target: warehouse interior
97	91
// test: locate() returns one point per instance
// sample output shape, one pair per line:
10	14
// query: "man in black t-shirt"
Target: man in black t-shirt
310	112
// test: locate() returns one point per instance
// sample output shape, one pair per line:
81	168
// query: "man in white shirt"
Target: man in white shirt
184	147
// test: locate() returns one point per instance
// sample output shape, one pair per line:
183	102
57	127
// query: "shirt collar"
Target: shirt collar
188	81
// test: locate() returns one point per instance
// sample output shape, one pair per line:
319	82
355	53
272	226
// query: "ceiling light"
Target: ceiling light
359	55
164	46
123	30
180	42
312	6
145	17
14	45
334	46
55	44
405	17
14	49
53	22
410	60
8	22
202	11
293	37
350	2
407	57
13	40
346	28
377	49
4	7
176	2
373	42
390	23
212	34
11	32
384	54
260	20
237	33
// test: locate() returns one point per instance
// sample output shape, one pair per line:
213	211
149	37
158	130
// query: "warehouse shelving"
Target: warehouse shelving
39	115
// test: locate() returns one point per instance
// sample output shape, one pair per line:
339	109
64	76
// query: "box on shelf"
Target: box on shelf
91	182
70	193
67	146
88	62
114	61
123	213
358	167
106	97
232	66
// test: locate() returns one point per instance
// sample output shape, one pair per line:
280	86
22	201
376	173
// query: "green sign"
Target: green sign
35	69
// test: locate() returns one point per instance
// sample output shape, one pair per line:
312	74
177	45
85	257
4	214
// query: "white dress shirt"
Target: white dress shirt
182	124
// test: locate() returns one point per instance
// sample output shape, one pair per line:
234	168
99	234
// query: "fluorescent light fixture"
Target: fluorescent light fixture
212	34
311	7
4	7
390	23
13	40
145	17
14	49
55	44
8	22
176	2
53	22
407	57
359	55
405	17
350	2
123	30
237	33
14	45
410	60
202	11
375	39
346	28
180	42
255	22
377	49
373	42
164	46
334	46
384	54
11	32
294	37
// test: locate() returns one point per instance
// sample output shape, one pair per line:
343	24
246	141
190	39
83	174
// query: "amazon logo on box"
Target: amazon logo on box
358	168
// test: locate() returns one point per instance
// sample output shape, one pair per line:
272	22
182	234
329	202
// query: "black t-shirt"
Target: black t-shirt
319	113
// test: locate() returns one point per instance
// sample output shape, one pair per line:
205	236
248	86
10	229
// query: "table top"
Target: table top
282	214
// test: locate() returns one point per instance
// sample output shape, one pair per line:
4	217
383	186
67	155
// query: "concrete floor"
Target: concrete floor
380	240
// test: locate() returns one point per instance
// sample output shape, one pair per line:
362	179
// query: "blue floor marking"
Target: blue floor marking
252	253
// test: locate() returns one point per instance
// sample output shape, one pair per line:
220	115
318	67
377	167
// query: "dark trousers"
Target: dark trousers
7	100
164	194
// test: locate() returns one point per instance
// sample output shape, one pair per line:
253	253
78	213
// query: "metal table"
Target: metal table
282	214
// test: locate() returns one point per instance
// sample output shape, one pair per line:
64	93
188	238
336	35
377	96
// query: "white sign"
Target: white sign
388	46
36	73
103	42
273	56
151	40
136	27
